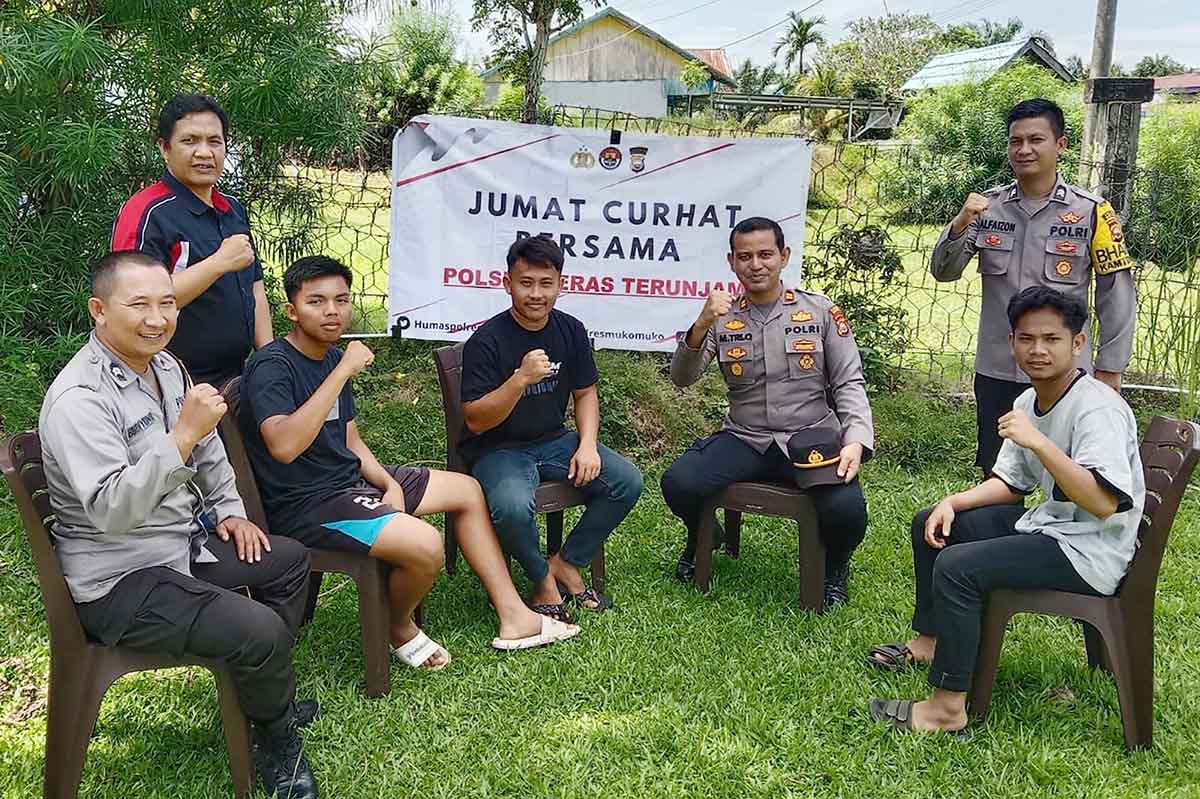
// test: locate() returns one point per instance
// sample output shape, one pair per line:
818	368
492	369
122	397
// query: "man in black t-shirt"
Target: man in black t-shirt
519	370
323	486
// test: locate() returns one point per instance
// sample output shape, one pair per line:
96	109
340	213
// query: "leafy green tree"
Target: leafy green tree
751	79
883	52
1076	67
83	83
992	31
694	74
520	31
801	34
1153	66
960	37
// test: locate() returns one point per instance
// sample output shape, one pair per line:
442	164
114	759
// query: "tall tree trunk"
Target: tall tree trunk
537	62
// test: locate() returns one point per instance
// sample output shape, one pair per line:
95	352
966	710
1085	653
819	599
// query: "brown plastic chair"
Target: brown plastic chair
369	574
551	497
81	671
764	499
1118	630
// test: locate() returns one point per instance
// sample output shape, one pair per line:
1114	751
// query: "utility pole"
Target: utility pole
1102	49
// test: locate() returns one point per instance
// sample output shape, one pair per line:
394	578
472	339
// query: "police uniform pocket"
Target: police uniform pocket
805	355
1066	260
995	252
737	362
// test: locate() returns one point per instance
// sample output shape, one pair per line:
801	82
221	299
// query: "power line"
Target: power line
633	30
772	27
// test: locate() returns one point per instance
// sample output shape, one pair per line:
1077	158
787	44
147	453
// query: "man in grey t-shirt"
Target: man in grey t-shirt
1070	435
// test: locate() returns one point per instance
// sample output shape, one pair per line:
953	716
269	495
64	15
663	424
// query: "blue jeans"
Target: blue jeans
509	477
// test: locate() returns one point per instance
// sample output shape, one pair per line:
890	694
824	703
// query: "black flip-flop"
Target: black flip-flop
896	657
558	611
898	714
581	599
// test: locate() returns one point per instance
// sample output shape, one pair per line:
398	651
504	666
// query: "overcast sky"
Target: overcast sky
1143	26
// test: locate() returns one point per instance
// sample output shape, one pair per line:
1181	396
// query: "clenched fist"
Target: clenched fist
356	358
534	368
235	252
203	407
717	305
975	205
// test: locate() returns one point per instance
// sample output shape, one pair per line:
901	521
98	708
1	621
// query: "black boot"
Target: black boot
279	757
837	585
685	569
307	711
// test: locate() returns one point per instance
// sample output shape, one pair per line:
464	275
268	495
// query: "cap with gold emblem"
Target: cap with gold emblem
815	451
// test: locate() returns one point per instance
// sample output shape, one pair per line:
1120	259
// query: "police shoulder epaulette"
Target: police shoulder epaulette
1087	195
996	191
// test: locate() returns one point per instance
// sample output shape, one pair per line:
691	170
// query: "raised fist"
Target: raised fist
356	358
203	407
534	368
235	252
975	205
717	305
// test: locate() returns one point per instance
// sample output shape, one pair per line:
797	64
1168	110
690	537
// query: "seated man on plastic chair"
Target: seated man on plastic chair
783	353
322	485
139	482
1076	439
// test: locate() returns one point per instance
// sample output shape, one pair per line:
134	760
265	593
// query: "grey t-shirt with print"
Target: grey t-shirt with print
1096	429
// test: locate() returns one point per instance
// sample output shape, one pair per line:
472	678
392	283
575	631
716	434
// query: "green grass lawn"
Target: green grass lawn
734	694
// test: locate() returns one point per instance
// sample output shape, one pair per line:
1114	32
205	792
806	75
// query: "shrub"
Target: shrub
1163	226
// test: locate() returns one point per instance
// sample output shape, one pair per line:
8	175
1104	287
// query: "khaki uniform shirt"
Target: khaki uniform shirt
1062	244
122	498
781	364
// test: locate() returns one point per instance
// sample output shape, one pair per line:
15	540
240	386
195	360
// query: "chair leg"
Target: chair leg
812	564
987	659
1097	652
237	735
733	532
314	592
73	705
450	542
1131	649
598	570
704	539
374	617
554	532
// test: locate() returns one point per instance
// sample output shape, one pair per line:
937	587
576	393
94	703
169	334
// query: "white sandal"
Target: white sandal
419	649
553	631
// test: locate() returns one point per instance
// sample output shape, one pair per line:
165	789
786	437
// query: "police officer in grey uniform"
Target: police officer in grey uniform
782	352
138	480
1037	231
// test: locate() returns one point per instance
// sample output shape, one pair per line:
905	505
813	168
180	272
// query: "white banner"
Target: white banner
643	221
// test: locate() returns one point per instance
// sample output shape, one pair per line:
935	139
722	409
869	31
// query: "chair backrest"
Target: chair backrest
1169	452
235	450
448	361
21	462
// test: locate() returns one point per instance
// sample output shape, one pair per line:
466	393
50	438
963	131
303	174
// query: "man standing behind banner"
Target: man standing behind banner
203	237
783	354
519	370
1037	231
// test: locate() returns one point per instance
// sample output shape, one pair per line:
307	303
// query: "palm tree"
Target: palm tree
801	34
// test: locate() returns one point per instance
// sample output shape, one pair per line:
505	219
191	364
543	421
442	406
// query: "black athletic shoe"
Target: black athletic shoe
685	568
279	758
307	711
837	587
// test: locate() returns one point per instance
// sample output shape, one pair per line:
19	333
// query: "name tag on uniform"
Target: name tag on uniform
333	415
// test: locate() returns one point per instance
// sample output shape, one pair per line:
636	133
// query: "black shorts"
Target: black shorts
352	519
993	399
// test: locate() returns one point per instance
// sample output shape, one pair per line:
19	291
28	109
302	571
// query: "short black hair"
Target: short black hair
1039	107
312	267
181	105
1072	310
753	224
104	268
535	251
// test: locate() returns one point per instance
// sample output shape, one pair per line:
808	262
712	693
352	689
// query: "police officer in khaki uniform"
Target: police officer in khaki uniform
1037	231
783	353
149	529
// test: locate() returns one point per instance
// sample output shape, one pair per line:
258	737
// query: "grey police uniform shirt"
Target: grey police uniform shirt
1096	429
123	499
1062	243
778	363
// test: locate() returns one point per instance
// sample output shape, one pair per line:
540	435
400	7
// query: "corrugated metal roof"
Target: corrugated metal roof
1184	83
980	63
715	58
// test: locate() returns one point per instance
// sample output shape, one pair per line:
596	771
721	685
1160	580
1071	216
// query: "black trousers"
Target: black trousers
161	610
984	552
993	399
714	462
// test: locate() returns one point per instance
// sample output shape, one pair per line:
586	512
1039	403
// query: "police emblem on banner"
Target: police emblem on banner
637	158
582	159
610	158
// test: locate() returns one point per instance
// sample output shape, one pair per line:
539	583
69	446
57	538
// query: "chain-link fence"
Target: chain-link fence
875	211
